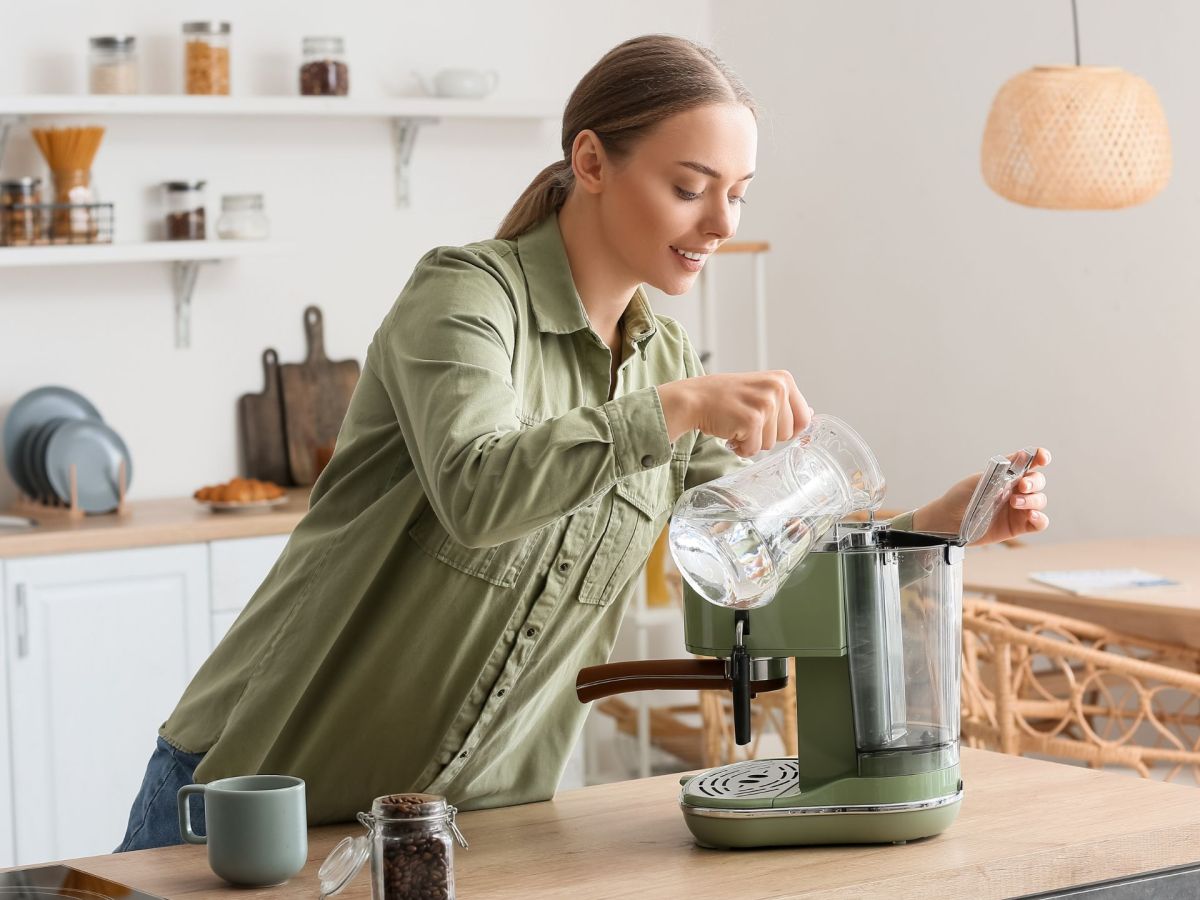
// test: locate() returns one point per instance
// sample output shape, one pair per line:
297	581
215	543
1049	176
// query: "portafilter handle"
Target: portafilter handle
594	682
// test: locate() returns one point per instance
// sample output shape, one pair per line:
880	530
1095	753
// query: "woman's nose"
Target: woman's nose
720	220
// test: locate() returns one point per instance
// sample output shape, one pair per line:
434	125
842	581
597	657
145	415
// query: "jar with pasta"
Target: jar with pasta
206	57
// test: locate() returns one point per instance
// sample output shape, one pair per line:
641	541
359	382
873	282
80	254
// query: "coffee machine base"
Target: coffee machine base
760	803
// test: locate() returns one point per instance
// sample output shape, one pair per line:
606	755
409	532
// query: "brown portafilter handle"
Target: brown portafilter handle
595	682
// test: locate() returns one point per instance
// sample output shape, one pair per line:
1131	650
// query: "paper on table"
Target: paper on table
1080	581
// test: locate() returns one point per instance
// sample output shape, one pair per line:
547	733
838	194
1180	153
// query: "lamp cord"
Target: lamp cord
1075	24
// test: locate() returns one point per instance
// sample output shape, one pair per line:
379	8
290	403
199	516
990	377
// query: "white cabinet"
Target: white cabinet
99	647
7	823
236	569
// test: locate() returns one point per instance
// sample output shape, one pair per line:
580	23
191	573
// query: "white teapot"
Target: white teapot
460	82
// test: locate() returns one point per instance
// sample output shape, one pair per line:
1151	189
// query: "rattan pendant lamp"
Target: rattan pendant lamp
1076	137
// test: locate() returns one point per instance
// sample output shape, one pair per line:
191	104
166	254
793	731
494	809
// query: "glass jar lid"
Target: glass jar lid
184	185
343	863
206	28
323	44
113	42
240	202
25	183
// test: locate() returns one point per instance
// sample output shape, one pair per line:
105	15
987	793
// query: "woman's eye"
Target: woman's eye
686	195
738	200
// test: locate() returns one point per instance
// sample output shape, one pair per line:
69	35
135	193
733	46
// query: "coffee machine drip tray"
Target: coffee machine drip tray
755	778
63	883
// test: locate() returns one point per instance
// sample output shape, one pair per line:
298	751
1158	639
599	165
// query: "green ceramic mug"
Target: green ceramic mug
257	827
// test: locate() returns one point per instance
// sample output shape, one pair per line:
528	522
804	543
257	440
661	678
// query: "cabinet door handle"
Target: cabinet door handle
22	623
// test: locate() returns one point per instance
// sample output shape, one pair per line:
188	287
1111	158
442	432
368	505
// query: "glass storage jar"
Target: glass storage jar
113	64
185	210
323	68
242	218
20	223
410	843
206	57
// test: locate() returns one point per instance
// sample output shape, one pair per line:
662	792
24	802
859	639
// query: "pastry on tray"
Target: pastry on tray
241	492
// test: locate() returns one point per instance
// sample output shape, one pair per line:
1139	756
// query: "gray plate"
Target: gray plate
33	409
96	452
34	458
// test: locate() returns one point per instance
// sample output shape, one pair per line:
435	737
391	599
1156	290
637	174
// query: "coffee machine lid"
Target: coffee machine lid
992	492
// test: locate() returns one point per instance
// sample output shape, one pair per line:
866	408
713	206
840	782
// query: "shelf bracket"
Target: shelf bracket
183	275
404	137
7	123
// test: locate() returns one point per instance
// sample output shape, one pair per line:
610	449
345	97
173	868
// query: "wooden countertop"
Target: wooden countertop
1026	826
149	523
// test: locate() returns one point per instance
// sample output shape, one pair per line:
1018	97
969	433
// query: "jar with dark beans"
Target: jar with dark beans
185	219
323	68
410	842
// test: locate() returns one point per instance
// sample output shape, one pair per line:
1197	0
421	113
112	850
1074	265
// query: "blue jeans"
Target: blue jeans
154	818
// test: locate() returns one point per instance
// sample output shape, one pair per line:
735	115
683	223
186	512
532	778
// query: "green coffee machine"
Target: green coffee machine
872	617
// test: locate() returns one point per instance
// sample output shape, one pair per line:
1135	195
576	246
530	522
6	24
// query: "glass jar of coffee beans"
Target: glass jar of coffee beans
410	843
323	69
185	210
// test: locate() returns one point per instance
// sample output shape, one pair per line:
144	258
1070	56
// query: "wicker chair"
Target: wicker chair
1039	683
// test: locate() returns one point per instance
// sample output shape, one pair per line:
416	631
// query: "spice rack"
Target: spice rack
70	510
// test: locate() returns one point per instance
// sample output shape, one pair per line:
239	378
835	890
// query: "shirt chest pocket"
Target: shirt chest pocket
500	565
639	510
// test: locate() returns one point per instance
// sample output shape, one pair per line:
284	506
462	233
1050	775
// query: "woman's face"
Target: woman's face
679	191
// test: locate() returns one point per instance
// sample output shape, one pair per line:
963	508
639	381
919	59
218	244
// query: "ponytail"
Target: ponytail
545	195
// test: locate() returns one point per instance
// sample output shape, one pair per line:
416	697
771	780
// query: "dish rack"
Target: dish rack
35	508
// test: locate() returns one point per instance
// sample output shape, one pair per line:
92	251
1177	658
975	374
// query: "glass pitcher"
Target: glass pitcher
736	538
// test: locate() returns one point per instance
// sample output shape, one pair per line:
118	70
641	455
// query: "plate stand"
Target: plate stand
58	509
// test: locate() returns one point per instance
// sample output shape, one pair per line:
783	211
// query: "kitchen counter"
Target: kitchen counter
1026	826
148	523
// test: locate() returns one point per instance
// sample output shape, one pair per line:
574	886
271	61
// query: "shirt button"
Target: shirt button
462	755
647	461
530	632
500	693
564	566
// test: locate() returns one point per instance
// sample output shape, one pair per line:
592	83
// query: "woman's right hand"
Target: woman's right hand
752	411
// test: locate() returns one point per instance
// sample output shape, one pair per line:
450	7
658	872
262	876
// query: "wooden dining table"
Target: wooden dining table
1165	613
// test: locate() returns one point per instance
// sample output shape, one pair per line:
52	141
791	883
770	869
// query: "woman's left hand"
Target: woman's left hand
1023	514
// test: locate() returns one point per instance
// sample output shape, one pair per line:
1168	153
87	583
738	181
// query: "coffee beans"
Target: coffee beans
186	226
414	859
325	77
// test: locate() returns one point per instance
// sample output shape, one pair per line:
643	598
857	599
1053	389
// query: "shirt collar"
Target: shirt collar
552	294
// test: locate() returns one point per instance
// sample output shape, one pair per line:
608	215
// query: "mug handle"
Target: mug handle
185	813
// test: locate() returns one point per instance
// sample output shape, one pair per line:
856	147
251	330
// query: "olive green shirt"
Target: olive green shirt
471	545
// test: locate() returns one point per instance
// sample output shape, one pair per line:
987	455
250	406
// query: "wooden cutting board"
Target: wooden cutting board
316	394
260	418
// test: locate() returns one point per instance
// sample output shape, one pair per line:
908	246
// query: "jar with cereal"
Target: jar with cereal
410	843
206	57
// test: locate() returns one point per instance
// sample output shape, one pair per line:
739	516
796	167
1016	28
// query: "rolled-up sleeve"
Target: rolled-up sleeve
445	357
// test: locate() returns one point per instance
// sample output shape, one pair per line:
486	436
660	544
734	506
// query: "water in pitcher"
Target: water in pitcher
740	562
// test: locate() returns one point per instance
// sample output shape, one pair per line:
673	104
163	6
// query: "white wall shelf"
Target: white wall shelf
407	114
185	258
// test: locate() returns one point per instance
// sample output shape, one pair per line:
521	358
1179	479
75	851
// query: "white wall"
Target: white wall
107	331
944	322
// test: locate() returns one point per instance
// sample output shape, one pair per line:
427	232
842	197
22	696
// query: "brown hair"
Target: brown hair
633	87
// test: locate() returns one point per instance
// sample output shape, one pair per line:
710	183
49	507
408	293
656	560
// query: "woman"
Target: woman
521	429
